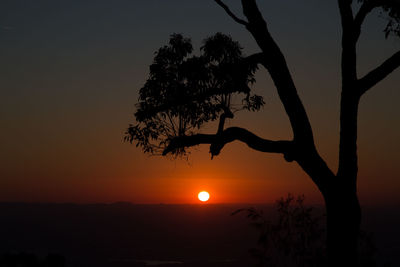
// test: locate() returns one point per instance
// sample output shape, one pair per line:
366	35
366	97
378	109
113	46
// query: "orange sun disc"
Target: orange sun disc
203	196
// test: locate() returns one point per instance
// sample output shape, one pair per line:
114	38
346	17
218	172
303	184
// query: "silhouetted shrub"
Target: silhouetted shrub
296	237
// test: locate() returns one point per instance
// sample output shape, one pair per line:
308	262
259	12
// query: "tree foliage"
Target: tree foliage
184	91
390	10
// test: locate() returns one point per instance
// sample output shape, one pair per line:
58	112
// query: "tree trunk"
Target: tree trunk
343	226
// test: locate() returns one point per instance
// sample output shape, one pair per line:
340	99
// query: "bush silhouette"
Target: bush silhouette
296	237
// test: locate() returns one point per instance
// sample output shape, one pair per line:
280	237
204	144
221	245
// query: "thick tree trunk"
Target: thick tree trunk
343	226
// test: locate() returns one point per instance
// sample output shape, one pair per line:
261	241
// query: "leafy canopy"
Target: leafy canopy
185	91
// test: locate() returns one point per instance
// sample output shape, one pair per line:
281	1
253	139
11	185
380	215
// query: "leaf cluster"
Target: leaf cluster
390	10
184	91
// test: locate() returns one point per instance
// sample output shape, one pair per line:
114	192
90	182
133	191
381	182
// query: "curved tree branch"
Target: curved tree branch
274	61
378	74
302	148
230	13
218	141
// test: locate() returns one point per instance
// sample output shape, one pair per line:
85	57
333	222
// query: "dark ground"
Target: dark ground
122	234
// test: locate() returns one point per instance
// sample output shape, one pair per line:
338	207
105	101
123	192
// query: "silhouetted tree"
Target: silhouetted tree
183	93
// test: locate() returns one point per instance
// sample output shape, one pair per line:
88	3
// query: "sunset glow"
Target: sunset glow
203	196
107	170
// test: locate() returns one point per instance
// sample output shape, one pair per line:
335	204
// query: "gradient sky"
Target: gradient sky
69	78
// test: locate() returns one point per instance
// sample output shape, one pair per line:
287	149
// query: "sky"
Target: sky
70	74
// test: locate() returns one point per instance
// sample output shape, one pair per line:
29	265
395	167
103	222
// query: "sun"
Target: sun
203	196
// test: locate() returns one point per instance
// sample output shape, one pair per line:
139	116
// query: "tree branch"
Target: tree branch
274	61
346	13
378	74
349	96
302	148
218	141
349	40
222	118
364	10
230	13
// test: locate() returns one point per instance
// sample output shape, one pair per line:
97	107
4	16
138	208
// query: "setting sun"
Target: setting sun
203	196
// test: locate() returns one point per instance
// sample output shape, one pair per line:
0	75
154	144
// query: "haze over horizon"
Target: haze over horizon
70	76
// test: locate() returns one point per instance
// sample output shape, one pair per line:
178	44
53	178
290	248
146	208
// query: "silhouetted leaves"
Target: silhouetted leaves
390	10
184	91
393	11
